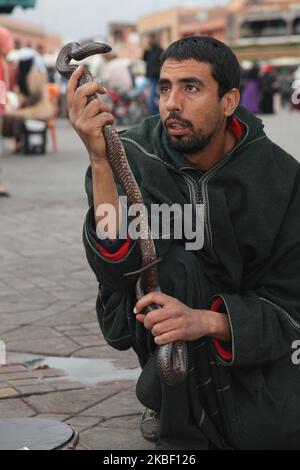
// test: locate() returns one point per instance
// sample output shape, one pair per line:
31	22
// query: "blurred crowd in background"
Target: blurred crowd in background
266	89
33	94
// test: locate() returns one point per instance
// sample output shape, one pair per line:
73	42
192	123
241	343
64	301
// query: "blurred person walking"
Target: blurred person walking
268	89
285	88
6	44
116	73
152	58
251	94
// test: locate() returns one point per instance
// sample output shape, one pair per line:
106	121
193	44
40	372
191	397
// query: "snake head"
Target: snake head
73	50
88	49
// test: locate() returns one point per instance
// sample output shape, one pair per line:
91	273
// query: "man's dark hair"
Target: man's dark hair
225	68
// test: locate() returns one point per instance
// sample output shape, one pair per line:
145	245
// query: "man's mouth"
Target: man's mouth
176	128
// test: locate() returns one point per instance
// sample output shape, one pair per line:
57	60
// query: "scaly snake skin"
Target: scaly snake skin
172	357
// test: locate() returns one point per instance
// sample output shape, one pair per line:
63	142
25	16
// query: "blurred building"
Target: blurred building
180	22
255	29
264	28
206	22
124	40
29	35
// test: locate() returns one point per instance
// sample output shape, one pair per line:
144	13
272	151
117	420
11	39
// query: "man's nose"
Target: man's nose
174	102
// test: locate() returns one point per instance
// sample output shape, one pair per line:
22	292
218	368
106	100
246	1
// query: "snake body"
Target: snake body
173	357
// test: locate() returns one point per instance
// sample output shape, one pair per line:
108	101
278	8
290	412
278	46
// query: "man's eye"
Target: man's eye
191	88
164	89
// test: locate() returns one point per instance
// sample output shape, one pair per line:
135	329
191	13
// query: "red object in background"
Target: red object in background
127	108
6	45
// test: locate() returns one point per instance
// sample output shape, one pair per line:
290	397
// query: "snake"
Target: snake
172	358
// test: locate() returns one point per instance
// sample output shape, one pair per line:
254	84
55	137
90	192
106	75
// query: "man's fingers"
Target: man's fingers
93	124
89	89
163	327
73	84
161	318
94	108
79	101
77	96
167	338
154	317
165	332
152	298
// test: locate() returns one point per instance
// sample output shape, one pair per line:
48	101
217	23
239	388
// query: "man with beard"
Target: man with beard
235	302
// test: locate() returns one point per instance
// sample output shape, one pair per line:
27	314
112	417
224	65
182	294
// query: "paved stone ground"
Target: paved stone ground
47	300
47	295
106	415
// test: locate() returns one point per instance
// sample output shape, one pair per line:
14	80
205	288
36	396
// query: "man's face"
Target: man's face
189	104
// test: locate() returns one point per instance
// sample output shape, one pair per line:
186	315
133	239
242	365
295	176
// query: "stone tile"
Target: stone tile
57	307
122	404
42	282
5	329
7	369
73	317
70	294
50	372
71	284
102	438
81	423
74	330
19	376
30	333
127	422
35	389
93	351
22	382
3	384
67	384
32	298
8	392
92	326
60	346
80	446
23	317
15	408
71	402
91	340
52	416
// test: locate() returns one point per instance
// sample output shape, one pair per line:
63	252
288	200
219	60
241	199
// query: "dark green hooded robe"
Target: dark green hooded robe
250	259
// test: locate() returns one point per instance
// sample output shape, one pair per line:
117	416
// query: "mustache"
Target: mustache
178	118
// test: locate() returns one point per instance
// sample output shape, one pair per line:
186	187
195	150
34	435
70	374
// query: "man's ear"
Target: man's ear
231	101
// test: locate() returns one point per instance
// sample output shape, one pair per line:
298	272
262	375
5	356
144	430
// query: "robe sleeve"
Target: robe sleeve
265	321
109	271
